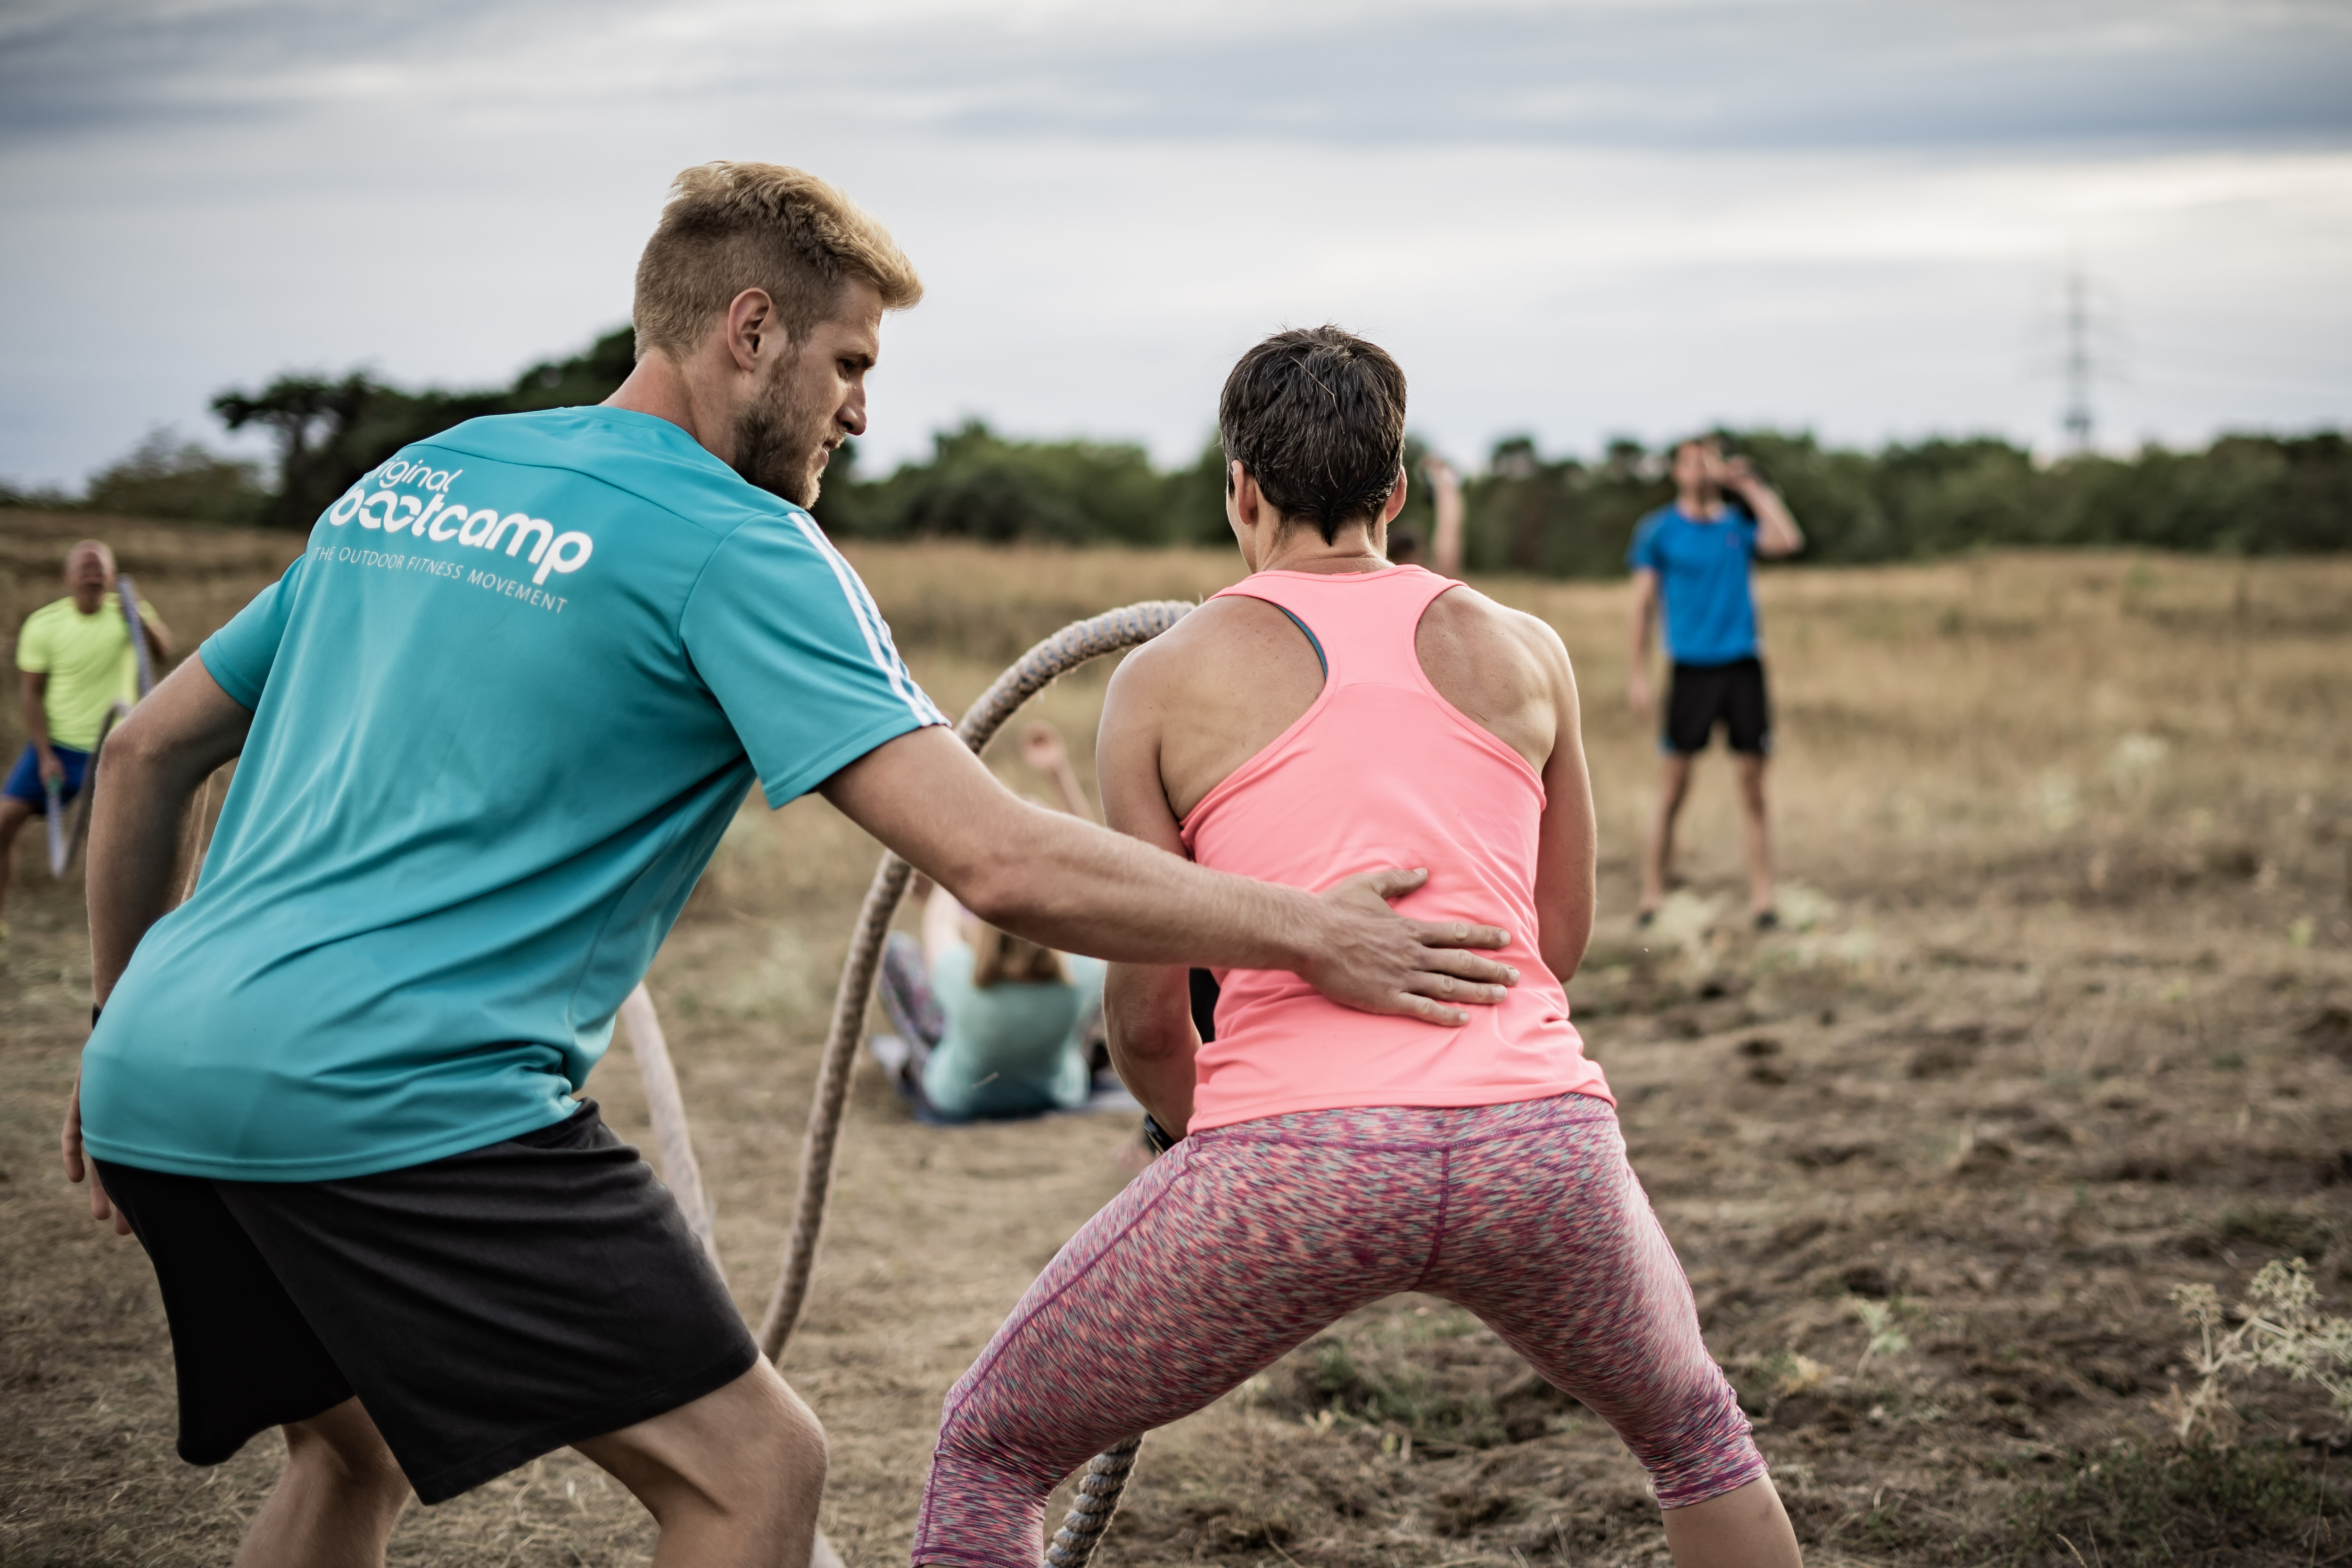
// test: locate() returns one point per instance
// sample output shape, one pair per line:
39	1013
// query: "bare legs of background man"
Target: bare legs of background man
14	814
732	1477
1756	829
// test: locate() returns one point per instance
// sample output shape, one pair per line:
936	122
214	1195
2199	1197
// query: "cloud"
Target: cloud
1570	219
1678	74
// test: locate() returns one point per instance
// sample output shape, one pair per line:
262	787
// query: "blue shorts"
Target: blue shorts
24	778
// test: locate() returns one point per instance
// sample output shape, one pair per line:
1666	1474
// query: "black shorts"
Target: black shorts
1705	695
485	1308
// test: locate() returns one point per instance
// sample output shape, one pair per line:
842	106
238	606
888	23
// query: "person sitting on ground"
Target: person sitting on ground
1694	555
1329	712
992	1024
77	662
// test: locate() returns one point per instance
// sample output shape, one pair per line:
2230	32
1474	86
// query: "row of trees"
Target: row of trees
1568	517
1559	516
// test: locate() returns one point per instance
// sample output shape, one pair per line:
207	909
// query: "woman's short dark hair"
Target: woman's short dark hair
1317	415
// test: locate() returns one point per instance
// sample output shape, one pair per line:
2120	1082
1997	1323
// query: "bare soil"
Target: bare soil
2060	1017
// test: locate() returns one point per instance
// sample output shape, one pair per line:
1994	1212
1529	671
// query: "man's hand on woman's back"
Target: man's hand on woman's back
1070	885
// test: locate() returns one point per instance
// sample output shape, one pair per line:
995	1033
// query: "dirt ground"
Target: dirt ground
2060	1017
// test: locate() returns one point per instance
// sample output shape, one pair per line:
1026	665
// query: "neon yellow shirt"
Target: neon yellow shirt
90	664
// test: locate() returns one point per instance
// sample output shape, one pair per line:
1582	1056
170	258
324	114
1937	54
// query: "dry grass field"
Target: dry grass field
2062	1018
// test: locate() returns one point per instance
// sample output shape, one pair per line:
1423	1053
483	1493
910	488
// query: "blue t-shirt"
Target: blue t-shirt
1702	577
503	707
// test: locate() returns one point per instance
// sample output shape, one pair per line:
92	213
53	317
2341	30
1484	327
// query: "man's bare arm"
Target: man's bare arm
35	685
159	636
154	761
1073	886
1637	654
1777	532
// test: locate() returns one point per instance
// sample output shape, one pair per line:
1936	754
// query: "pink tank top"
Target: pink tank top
1381	771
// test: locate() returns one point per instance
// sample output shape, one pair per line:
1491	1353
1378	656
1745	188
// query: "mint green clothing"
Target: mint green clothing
1014	1046
503	707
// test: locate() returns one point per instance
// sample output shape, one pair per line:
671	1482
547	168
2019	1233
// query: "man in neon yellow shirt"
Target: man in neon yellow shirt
77	662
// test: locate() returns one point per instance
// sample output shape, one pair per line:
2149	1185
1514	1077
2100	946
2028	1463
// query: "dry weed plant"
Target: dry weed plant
2280	1328
1880	1321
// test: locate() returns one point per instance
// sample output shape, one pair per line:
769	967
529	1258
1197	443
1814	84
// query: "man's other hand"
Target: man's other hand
1638	694
52	772
1374	960
78	1169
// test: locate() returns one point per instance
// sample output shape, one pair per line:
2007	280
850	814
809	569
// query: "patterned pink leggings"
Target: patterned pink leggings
1244	1240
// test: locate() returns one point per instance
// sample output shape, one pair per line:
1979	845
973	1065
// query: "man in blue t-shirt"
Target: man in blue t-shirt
489	729
1694	555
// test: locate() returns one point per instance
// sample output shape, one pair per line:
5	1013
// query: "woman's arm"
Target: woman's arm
1565	850
1147	1008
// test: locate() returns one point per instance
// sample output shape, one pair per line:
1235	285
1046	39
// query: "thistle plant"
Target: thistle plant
2279	1329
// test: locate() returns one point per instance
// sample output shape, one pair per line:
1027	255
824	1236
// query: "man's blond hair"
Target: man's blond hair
731	226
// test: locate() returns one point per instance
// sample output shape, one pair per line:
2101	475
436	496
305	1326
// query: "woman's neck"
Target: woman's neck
1302	548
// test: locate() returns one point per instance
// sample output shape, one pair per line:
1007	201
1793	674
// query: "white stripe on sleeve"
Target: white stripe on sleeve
868	617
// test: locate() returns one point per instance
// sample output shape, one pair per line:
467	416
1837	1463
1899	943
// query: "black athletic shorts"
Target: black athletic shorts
1705	695
486	1308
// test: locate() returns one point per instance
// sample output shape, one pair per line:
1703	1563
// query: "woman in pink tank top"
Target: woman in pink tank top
1333	714
1382	770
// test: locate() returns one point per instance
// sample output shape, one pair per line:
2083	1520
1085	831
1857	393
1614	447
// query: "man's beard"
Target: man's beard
780	439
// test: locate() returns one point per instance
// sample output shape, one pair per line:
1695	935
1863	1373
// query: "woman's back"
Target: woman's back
1382	768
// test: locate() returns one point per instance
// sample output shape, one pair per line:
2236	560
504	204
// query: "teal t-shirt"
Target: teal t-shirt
1014	1046
503	707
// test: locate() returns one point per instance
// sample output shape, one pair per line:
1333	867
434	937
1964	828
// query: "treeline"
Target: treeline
1555	516
328	432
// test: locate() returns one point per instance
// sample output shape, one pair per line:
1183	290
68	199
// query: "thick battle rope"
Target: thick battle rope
127	595
1098	1488
665	1108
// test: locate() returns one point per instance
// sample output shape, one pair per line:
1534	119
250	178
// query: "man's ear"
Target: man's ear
751	320
1396	498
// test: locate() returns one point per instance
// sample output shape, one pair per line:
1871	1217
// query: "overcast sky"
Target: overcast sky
1575	220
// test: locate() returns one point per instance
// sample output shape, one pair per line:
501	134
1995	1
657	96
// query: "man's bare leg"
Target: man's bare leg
1756	831
336	1503
1742	1529
14	814
733	1478
1658	847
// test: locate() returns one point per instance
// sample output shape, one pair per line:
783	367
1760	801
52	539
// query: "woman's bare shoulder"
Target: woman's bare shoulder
1221	642
1467	624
